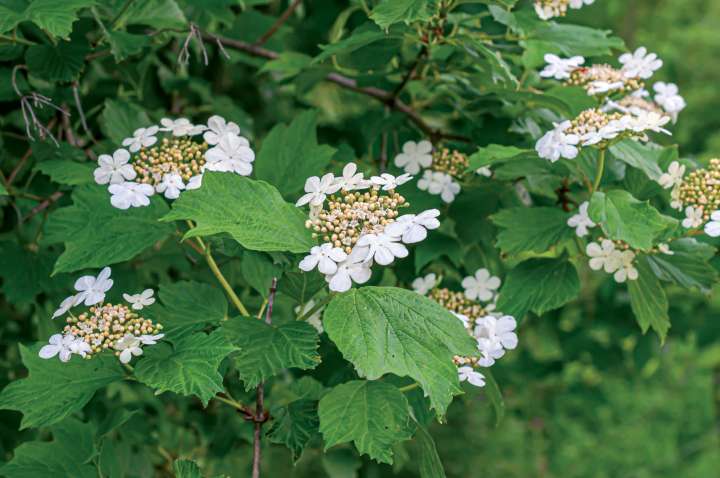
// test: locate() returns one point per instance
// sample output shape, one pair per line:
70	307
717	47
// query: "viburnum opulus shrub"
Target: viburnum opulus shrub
316	226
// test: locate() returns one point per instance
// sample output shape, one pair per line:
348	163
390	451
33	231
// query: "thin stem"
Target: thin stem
278	23
600	170
113	22
410	387
317	307
21	41
235	404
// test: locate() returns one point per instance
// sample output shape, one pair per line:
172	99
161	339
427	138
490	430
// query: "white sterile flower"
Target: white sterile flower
481	286
463	318
351	179
413	228
315	319
194	182
171	185
468	374
231	154
150	339
494	335
143	299
581	221
415	156
65	305
651	121
381	247
579	3
675	201
128	346
389	182
668	97
325	257
423	285
712	228
545	12
484	171
640	63
317	190
141	138
353	269
217	128
693	217
627	270
437	182
555	144
599	87
91	290
560	68
129	194
181	127
61	345
673	177
665	249
602	256
114	169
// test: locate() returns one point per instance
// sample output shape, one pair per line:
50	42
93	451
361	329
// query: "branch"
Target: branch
54	197
381	95
261	416
278	23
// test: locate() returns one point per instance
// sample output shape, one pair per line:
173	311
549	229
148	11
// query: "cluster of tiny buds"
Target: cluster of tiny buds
173	155
103	325
701	189
592	77
590	121
553	8
619	245
348	215
452	162
458	303
631	103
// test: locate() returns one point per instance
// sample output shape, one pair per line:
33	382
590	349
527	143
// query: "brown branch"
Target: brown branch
261	415
54	197
411	72
381	95
18	167
278	23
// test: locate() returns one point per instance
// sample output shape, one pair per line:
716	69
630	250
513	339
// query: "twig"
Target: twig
113	22
279	22
81	112
411	72
261	415
381	95
18	167
27	105
184	55
54	197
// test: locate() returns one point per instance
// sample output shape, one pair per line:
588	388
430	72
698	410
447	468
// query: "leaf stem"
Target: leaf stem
410	387
317	306
21	41
600	170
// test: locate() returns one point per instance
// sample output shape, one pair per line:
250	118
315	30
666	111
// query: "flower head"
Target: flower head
439	183
556	144
560	68
217	127
388	182
673	177
181	127
482	286
602	256
141	138
581	221
325	257
91	290
626	267
712	228
126	195
640	63
668	97
141	300
128	346
353	269
114	169
351	179
423	285
468	374
413	228
317	189
231	154
693	217
65	305
382	247
414	156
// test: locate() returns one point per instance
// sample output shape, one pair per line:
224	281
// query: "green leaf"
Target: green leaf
25	273
65	171
648	300
389	330
252	212
54	17
3	191
492	390
287	65
290	154
53	390
571	40
301	286
388	12
96	234
625	218
60	62
361	37
640	156
186	469
120	118
68	455
430	464
538	285
495	153
124	45
188	306
535	229
265	349
258	270
158	14
688	266
373	415
294	425
188	367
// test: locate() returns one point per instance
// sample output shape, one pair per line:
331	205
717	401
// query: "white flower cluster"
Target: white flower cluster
697	194
619	262
493	331
108	326
146	165
416	157
547	9
360	225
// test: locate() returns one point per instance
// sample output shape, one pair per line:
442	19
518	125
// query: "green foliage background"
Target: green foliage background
585	395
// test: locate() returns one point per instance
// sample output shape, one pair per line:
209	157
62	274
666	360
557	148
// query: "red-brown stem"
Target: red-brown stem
279	22
18	167
261	415
44	205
